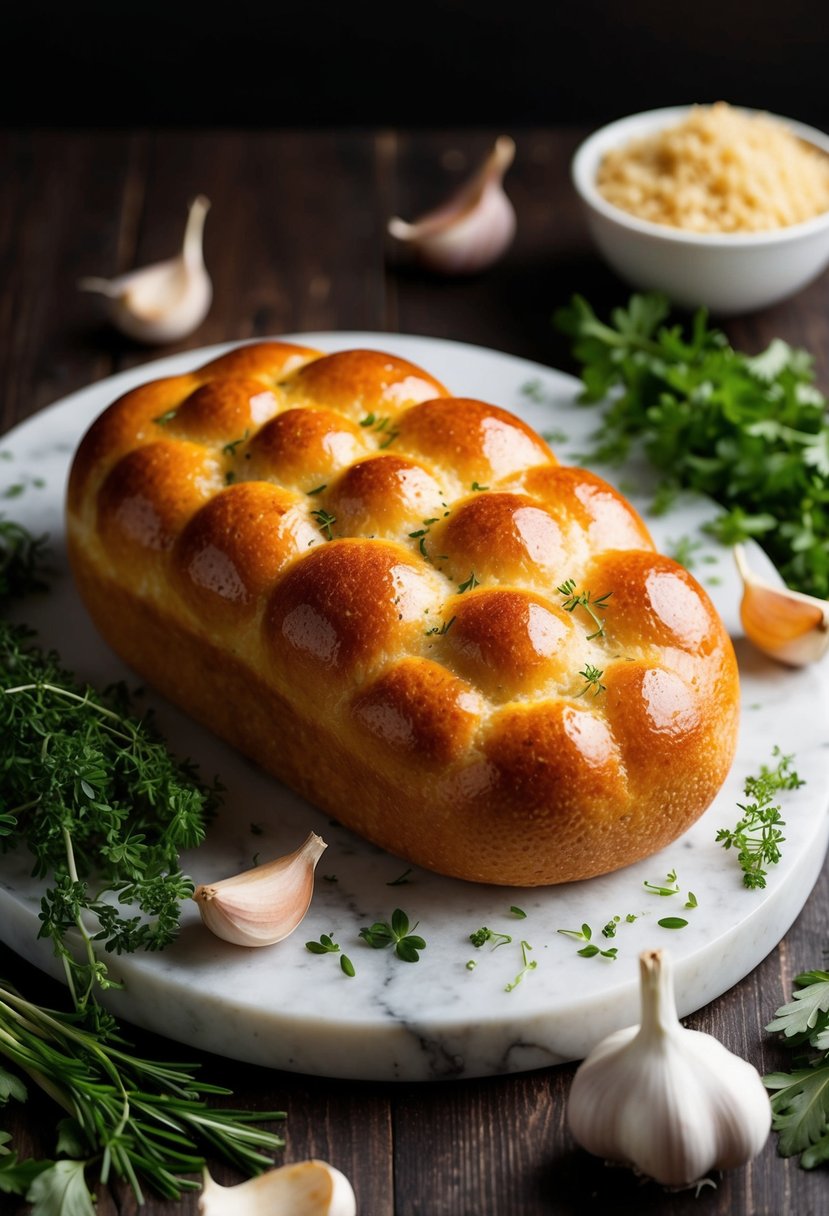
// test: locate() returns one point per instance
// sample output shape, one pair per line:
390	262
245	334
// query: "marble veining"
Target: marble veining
284	1007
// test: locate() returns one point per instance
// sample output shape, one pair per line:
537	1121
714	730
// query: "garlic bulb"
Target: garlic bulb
166	300
264	905
788	626
307	1188
673	1103
473	227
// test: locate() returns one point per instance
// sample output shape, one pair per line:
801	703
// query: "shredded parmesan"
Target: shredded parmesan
721	170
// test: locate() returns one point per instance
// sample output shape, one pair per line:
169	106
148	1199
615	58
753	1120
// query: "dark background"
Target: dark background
426	63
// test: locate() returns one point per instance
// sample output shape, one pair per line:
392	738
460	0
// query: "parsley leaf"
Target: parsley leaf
398	933
800	1101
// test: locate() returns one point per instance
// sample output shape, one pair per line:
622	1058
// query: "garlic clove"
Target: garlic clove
673	1103
307	1188
265	904
786	625
475	225
167	300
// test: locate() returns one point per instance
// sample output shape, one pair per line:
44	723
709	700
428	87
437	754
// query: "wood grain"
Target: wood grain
296	241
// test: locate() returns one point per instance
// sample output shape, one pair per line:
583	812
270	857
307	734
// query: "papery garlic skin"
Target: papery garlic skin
265	904
306	1188
473	228
673	1103
786	625
167	300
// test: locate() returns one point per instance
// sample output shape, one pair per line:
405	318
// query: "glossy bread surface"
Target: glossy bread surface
398	602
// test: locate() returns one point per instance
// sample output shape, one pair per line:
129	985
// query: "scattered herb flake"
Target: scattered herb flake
401	879
669	887
528	965
471	582
483	935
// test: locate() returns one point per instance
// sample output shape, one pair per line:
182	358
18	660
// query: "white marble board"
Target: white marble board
286	1008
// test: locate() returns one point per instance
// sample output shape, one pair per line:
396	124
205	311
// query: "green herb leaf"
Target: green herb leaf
398	933
325	520
594	951
803	1015
672	922
61	1190
669	887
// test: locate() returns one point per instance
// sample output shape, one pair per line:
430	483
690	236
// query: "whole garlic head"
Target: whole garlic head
475	225
673	1103
306	1188
167	300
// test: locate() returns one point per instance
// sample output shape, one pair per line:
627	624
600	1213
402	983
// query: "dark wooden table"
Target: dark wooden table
296	241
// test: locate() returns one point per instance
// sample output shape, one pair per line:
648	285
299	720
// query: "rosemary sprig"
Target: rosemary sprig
133	1118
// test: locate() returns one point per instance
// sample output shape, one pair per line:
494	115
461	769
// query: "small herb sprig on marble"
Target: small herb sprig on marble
757	835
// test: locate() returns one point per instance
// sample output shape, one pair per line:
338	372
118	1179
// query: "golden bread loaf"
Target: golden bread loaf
399	603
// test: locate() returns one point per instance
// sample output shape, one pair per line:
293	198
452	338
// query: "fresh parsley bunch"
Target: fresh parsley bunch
751	432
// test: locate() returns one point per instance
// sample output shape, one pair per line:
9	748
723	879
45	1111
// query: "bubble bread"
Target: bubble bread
401	605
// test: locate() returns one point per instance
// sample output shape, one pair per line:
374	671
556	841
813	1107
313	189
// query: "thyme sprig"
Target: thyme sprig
101	804
592	681
757	835
588	602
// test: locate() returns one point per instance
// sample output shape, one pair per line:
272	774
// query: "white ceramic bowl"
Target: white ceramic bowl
727	273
